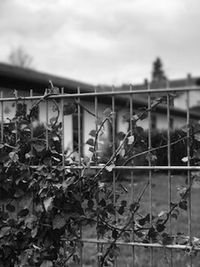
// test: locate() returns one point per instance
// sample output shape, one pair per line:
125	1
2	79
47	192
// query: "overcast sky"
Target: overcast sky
104	41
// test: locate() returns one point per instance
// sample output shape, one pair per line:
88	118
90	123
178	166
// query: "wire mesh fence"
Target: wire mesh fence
157	183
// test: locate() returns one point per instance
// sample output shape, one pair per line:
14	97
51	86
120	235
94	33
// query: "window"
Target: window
21	109
76	130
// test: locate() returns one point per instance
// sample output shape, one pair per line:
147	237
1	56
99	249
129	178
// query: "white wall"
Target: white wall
9	109
194	100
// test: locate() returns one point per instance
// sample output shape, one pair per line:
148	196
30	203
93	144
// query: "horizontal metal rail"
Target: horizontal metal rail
111	93
140	244
156	168
99	168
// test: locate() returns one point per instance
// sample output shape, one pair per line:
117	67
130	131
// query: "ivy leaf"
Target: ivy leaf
109	168
14	156
91	149
53	120
166	239
183	205
196	183
143	116
144	220
58	222
46	263
98	121
126	117
107	112
30	221
34	232
121	210
131	139
90	142
160	227
48	203
69	109
4	215
152	233
134	206
92	133
123	152
121	136
162	213
10	207
123	203
110	208
1	146
184	159
127	237
197	154
26	202
90	204
23	213
182	191
4	231
28	155
197	136
134	118
114	234
175	214
151	157
102	202
55	138
155	103
39	147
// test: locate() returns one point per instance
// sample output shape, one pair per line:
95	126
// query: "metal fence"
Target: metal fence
149	250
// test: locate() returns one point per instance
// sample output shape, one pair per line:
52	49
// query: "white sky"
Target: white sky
104	41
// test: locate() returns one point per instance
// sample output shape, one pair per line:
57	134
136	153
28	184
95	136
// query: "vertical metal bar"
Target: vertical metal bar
188	173
47	122
2	117
99	247
31	120
113	150
149	161
31	128
96	116
132	178
16	124
62	132
169	164
113	147
79	153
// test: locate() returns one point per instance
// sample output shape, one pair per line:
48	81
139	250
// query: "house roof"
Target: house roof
21	78
13	77
176	83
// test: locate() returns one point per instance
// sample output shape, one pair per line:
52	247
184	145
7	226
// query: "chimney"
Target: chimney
189	79
145	82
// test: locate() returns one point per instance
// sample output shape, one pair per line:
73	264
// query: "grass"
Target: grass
159	203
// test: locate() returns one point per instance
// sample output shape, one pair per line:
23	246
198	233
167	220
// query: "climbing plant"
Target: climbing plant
48	197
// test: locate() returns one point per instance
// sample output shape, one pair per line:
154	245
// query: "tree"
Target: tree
158	73
19	57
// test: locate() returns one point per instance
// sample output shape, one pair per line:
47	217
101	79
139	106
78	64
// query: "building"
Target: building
20	79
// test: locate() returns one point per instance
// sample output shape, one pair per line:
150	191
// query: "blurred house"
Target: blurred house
20	79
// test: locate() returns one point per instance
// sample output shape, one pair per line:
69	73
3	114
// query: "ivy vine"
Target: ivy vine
45	204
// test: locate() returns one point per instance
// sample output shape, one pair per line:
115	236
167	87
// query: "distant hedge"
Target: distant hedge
178	149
